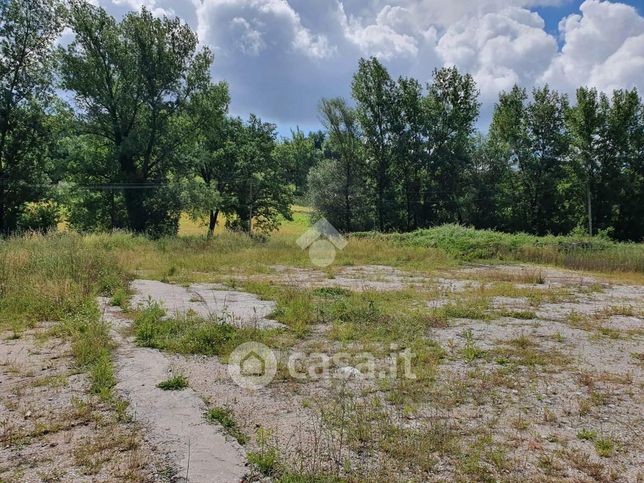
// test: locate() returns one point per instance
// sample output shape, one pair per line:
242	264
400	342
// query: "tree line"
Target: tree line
408	156
123	128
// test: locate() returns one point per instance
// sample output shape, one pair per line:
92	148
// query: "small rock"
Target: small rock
348	372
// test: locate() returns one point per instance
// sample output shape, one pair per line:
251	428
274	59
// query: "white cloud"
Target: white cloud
602	48
252	26
281	56
386	38
499	49
151	5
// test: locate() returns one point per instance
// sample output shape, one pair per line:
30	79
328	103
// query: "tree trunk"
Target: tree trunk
3	218
590	209
347	199
134	194
214	214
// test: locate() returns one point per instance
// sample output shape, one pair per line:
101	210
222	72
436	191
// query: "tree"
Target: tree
208	112
131	81
339	188
256	189
489	193
623	167
373	91
585	122
508	141
409	132
28	29
301	154
452	108
543	170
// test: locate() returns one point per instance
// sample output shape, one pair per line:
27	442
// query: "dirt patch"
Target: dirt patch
52	430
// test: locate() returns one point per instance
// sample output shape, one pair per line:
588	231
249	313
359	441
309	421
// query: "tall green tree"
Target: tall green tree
257	189
373	90
586	124
623	167
410	154
509	143
543	170
451	107
212	152
301	153
131	81
339	187
28	29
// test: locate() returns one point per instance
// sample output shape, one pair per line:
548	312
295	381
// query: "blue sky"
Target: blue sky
281	57
554	13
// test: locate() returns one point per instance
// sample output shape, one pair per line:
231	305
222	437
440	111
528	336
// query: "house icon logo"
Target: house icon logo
322	241
252	365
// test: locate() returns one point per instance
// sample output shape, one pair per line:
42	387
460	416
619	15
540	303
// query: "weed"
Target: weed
605	447
587	435
174	383
519	314
225	417
470	351
120	298
266	459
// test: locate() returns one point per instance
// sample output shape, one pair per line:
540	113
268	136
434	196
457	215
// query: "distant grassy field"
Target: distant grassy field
579	253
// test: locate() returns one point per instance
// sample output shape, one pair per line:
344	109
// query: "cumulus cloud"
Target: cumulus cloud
258	24
499	49
151	5
602	47
281	56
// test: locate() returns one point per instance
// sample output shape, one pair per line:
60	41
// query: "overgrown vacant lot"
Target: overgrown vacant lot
524	368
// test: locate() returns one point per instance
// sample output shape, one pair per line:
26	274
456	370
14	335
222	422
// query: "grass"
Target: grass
174	383
194	335
57	278
226	418
594	254
587	435
605	447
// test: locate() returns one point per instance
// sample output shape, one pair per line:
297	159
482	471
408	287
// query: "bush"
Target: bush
40	217
580	253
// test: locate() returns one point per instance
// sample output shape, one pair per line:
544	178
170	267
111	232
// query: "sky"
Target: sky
280	57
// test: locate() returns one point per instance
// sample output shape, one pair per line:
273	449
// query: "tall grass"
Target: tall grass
56	278
579	253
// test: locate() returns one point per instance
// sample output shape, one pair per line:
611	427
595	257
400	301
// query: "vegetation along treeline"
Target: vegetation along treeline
123	128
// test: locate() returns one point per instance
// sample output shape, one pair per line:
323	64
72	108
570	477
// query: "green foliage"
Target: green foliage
192	335
174	383
28	30
120	298
41	217
338	185
298	154
226	418
587	435
131	80
605	447
267	458
577	253
373	90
